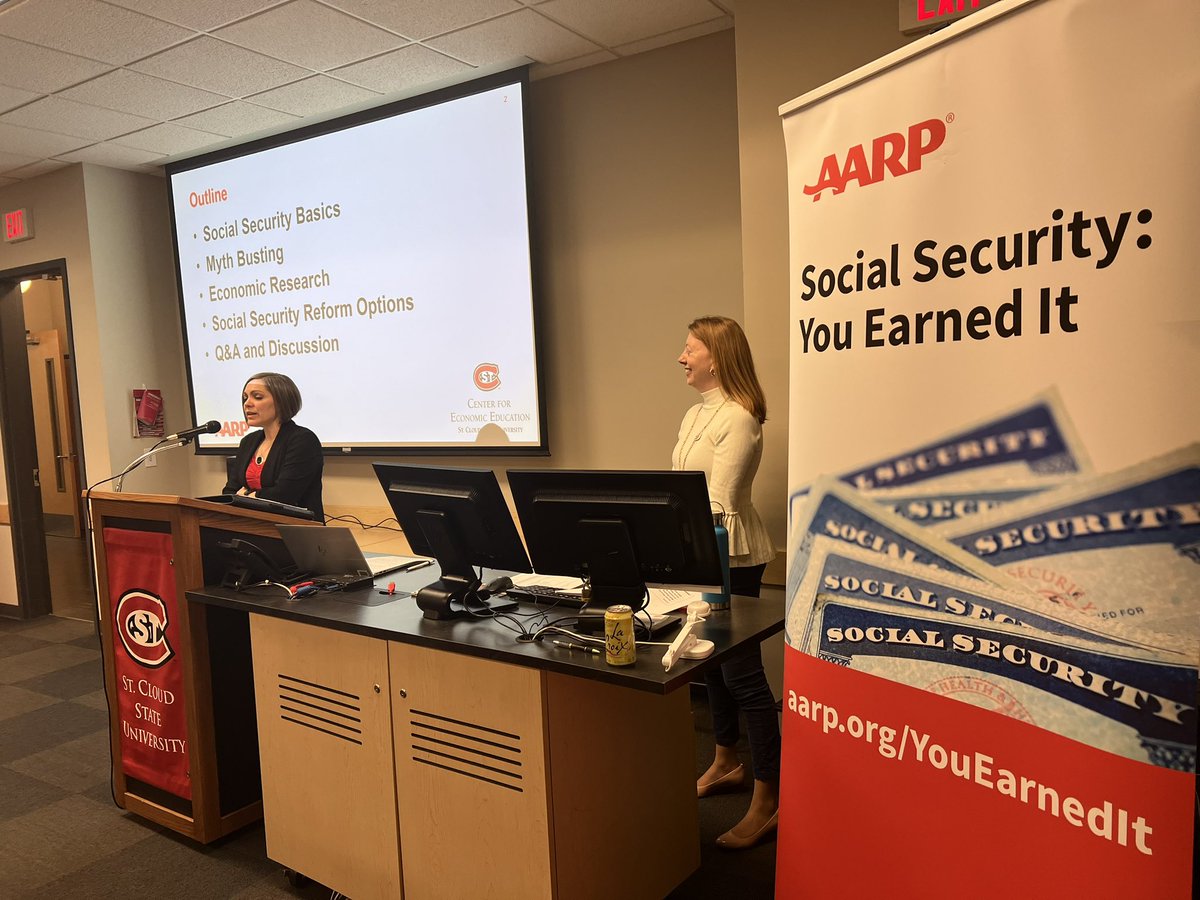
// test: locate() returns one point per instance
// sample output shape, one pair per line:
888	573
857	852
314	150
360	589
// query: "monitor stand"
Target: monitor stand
484	607
454	598
658	625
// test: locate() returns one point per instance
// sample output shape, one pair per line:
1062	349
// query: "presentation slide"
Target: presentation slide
384	267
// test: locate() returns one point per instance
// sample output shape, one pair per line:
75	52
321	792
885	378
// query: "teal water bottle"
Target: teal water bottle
721	600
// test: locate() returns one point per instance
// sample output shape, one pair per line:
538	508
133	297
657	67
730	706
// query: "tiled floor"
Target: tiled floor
61	835
71	591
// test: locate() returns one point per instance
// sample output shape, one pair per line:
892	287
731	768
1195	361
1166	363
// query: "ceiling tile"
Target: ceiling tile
520	34
216	66
308	34
77	119
621	21
10	161
11	98
168	139
133	92
237	119
92	29
31	142
425	18
675	37
402	69
34	169
38	69
202	15
314	96
111	155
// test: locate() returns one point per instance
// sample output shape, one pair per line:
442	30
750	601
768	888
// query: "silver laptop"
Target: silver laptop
332	554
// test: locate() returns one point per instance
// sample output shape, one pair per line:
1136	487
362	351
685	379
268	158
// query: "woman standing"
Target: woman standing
282	461
722	436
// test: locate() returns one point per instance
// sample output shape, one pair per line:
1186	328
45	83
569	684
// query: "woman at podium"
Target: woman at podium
722	436
280	461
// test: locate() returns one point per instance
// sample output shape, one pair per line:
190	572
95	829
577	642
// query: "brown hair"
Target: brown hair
284	392
734	365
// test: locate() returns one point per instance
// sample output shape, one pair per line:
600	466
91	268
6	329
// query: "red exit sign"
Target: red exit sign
18	226
919	16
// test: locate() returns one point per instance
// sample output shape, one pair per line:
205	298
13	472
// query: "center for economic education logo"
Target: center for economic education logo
893	154
487	376
141	622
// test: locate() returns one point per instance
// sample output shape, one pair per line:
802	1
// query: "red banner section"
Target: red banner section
906	793
146	647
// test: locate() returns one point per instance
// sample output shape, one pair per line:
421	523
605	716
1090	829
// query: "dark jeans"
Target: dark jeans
741	684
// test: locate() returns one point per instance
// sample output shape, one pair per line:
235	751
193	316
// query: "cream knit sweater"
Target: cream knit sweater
723	440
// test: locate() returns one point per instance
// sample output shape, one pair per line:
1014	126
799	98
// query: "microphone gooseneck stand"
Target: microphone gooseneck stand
157	448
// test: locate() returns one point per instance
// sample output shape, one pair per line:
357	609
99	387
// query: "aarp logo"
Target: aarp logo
141	622
487	376
898	153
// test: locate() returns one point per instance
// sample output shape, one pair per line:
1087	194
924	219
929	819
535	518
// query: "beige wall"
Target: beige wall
636	224
785	48
137	312
112	228
44	311
59	212
660	195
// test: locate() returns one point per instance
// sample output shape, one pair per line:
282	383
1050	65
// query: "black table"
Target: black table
402	755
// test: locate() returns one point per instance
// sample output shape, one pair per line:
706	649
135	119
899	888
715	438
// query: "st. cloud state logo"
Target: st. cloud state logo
141	622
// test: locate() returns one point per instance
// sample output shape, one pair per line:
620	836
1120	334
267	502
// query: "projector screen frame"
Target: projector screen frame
517	77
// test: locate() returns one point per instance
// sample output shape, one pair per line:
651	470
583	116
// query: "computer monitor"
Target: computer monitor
459	517
622	531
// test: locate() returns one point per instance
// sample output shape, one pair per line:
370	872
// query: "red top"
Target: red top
254	475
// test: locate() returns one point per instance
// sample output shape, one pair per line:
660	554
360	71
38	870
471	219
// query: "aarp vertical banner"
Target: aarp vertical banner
994	512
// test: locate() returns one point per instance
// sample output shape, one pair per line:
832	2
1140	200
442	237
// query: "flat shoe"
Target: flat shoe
730	781
731	841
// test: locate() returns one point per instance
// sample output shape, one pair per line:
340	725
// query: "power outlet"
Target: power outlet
152	462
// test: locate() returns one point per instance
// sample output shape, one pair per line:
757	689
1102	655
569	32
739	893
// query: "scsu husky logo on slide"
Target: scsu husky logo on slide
487	376
142	625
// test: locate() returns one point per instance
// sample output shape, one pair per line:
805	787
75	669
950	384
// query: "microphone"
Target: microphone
170	442
212	426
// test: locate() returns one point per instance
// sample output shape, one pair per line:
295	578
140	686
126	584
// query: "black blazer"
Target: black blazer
292	473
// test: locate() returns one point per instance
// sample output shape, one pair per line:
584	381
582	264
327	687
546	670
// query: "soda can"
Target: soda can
619	648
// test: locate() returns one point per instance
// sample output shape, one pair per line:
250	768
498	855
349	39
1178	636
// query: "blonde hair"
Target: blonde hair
732	361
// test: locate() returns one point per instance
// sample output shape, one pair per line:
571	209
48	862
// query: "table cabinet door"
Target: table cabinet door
470	748
325	740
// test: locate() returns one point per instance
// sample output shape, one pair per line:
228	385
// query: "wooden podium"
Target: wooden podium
210	649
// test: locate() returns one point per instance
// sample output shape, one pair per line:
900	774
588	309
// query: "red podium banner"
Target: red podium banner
146	645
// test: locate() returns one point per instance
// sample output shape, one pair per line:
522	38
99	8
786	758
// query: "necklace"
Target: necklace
689	441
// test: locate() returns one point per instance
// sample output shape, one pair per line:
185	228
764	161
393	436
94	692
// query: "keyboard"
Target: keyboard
545	595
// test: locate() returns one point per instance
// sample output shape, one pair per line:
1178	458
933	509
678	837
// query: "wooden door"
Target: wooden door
49	388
